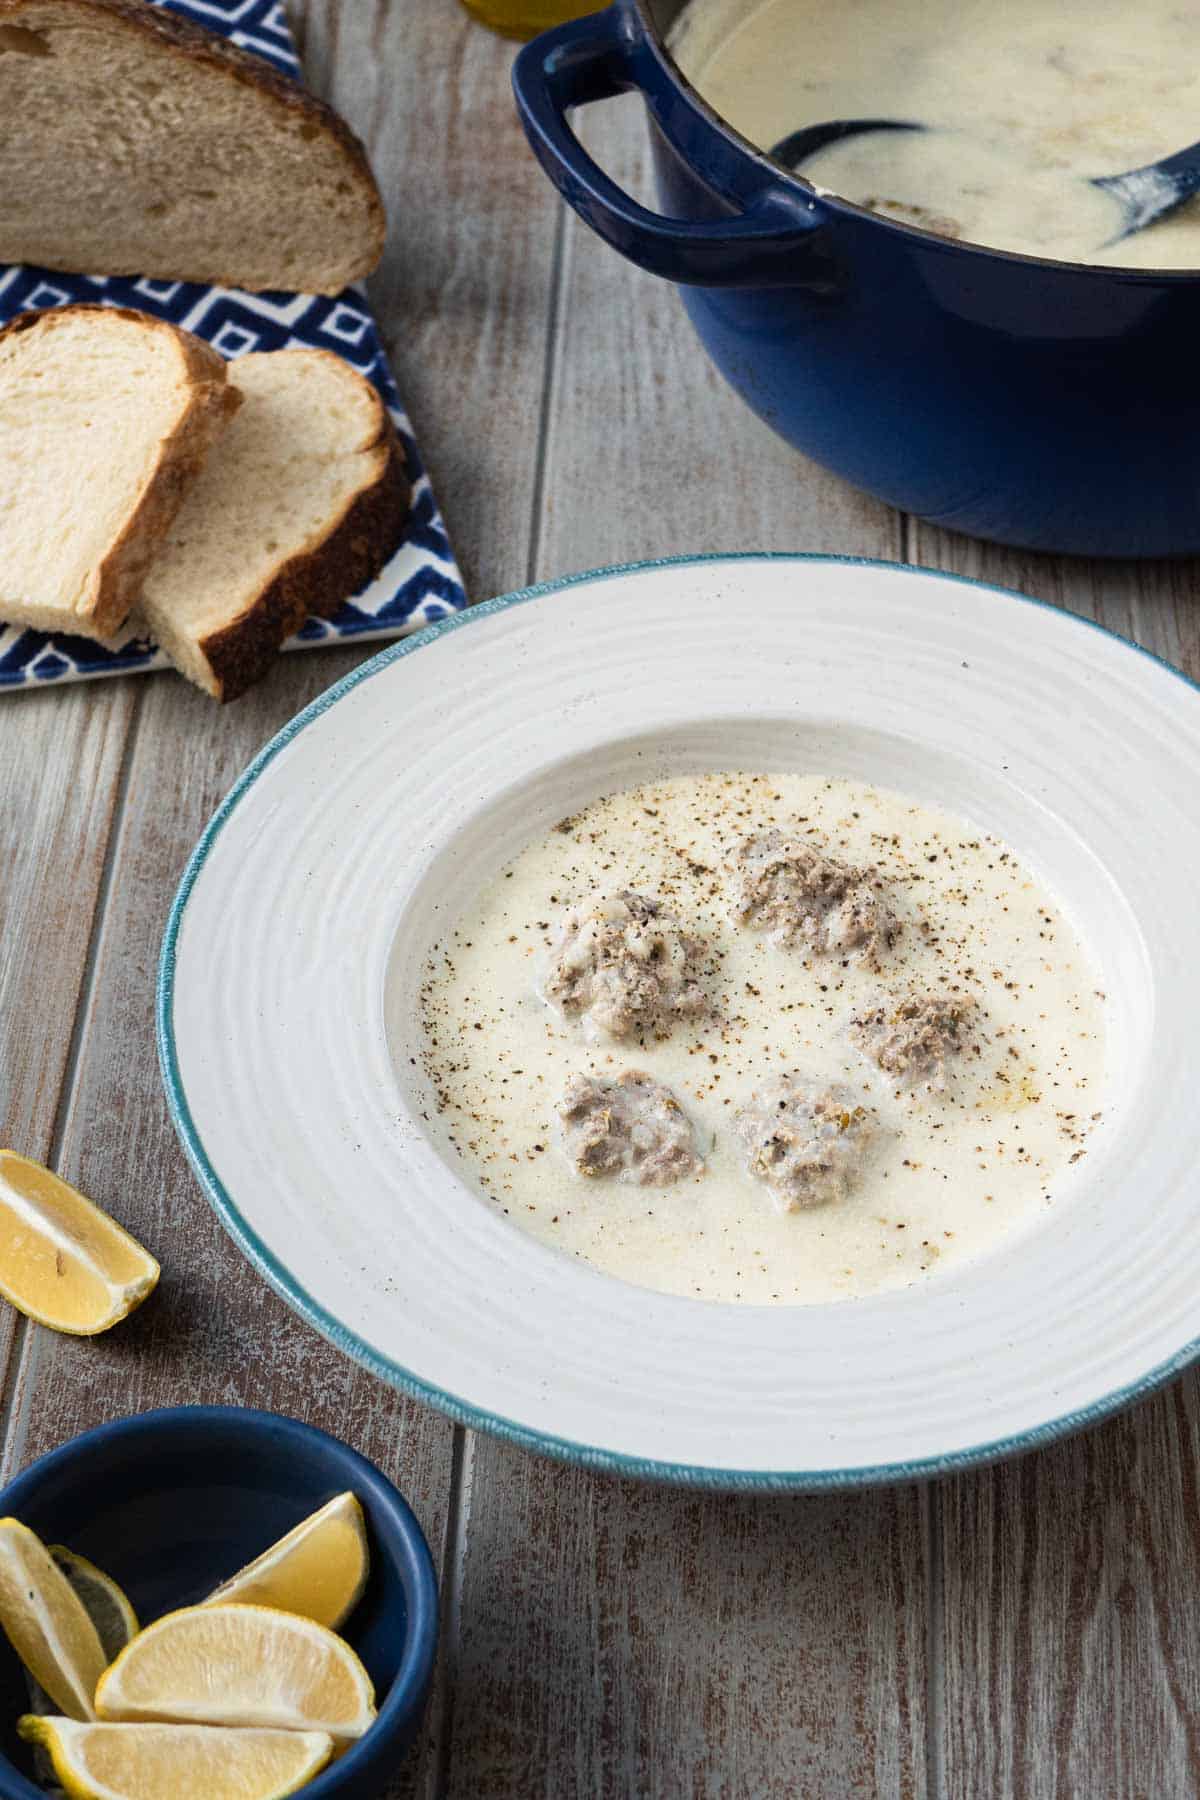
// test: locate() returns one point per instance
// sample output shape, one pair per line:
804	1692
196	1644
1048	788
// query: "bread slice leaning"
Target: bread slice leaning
302	505
133	142
105	417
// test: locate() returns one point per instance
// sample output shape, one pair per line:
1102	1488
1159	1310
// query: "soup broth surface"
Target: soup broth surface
1023	103
948	1172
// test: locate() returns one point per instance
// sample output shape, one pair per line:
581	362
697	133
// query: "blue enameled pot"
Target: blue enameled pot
1048	405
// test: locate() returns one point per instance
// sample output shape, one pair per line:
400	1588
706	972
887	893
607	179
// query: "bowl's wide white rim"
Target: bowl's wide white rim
459	1409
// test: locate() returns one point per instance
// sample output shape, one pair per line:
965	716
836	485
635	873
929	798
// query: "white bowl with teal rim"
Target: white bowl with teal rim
289	1031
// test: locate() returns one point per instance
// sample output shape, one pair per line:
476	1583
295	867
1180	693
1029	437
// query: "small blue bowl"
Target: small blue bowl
171	1503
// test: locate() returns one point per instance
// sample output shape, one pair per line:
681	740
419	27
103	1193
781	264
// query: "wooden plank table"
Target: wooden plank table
1032	1630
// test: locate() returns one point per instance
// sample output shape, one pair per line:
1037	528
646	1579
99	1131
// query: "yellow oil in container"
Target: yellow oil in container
525	18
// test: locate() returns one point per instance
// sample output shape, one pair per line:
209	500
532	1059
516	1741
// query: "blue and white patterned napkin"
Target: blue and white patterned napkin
421	583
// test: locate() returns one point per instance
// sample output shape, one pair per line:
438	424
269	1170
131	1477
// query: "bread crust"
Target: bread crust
205	48
115	584
316	579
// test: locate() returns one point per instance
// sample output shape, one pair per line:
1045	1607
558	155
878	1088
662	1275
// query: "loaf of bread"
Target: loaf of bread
133	142
105	417
302	504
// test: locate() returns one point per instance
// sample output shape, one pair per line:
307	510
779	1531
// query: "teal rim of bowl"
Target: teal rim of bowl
590	1456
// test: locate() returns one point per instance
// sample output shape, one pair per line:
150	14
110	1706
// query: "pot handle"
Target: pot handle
594	59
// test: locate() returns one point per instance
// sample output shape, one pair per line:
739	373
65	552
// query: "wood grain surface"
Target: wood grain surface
1031	1630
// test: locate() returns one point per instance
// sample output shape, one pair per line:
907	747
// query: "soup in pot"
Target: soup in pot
1022	104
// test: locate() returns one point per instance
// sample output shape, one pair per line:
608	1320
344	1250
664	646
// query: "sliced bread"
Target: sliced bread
105	417
303	503
134	142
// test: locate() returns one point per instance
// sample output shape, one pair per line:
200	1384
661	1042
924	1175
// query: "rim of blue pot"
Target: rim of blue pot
464	1412
406	1696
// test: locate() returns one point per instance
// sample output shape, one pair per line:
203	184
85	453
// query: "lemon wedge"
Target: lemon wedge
106	1604
177	1762
46	1622
62	1261
115	1620
318	1570
240	1665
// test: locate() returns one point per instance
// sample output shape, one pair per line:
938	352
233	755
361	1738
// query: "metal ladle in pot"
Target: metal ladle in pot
1144	195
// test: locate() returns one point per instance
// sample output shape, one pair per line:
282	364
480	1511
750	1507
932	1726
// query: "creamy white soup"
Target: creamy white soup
776	1039
1024	102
